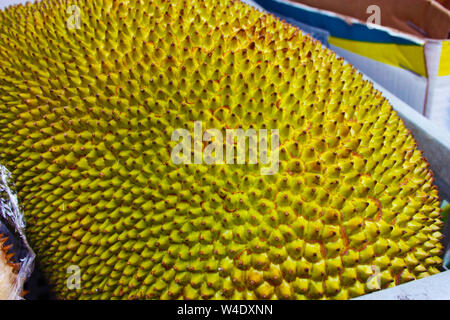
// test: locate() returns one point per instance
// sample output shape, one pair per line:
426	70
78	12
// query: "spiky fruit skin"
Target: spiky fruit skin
8	270
86	121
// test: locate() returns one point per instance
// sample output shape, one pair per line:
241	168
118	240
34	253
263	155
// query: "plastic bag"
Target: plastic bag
12	225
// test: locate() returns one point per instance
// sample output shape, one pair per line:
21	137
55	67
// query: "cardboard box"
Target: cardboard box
408	62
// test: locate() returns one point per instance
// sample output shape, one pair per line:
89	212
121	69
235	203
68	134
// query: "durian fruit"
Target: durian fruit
8	270
87	112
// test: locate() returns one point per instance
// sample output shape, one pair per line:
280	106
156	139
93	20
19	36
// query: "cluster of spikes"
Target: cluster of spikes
7	252
86	121
8	268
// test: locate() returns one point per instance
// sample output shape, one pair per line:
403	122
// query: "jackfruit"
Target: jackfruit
89	98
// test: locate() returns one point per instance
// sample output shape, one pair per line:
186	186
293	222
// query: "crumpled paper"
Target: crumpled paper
12	224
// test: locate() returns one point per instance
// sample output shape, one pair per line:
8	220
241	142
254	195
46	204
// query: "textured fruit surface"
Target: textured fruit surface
86	121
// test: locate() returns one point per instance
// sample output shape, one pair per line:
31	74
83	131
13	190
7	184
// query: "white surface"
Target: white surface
438	93
439	109
435	287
